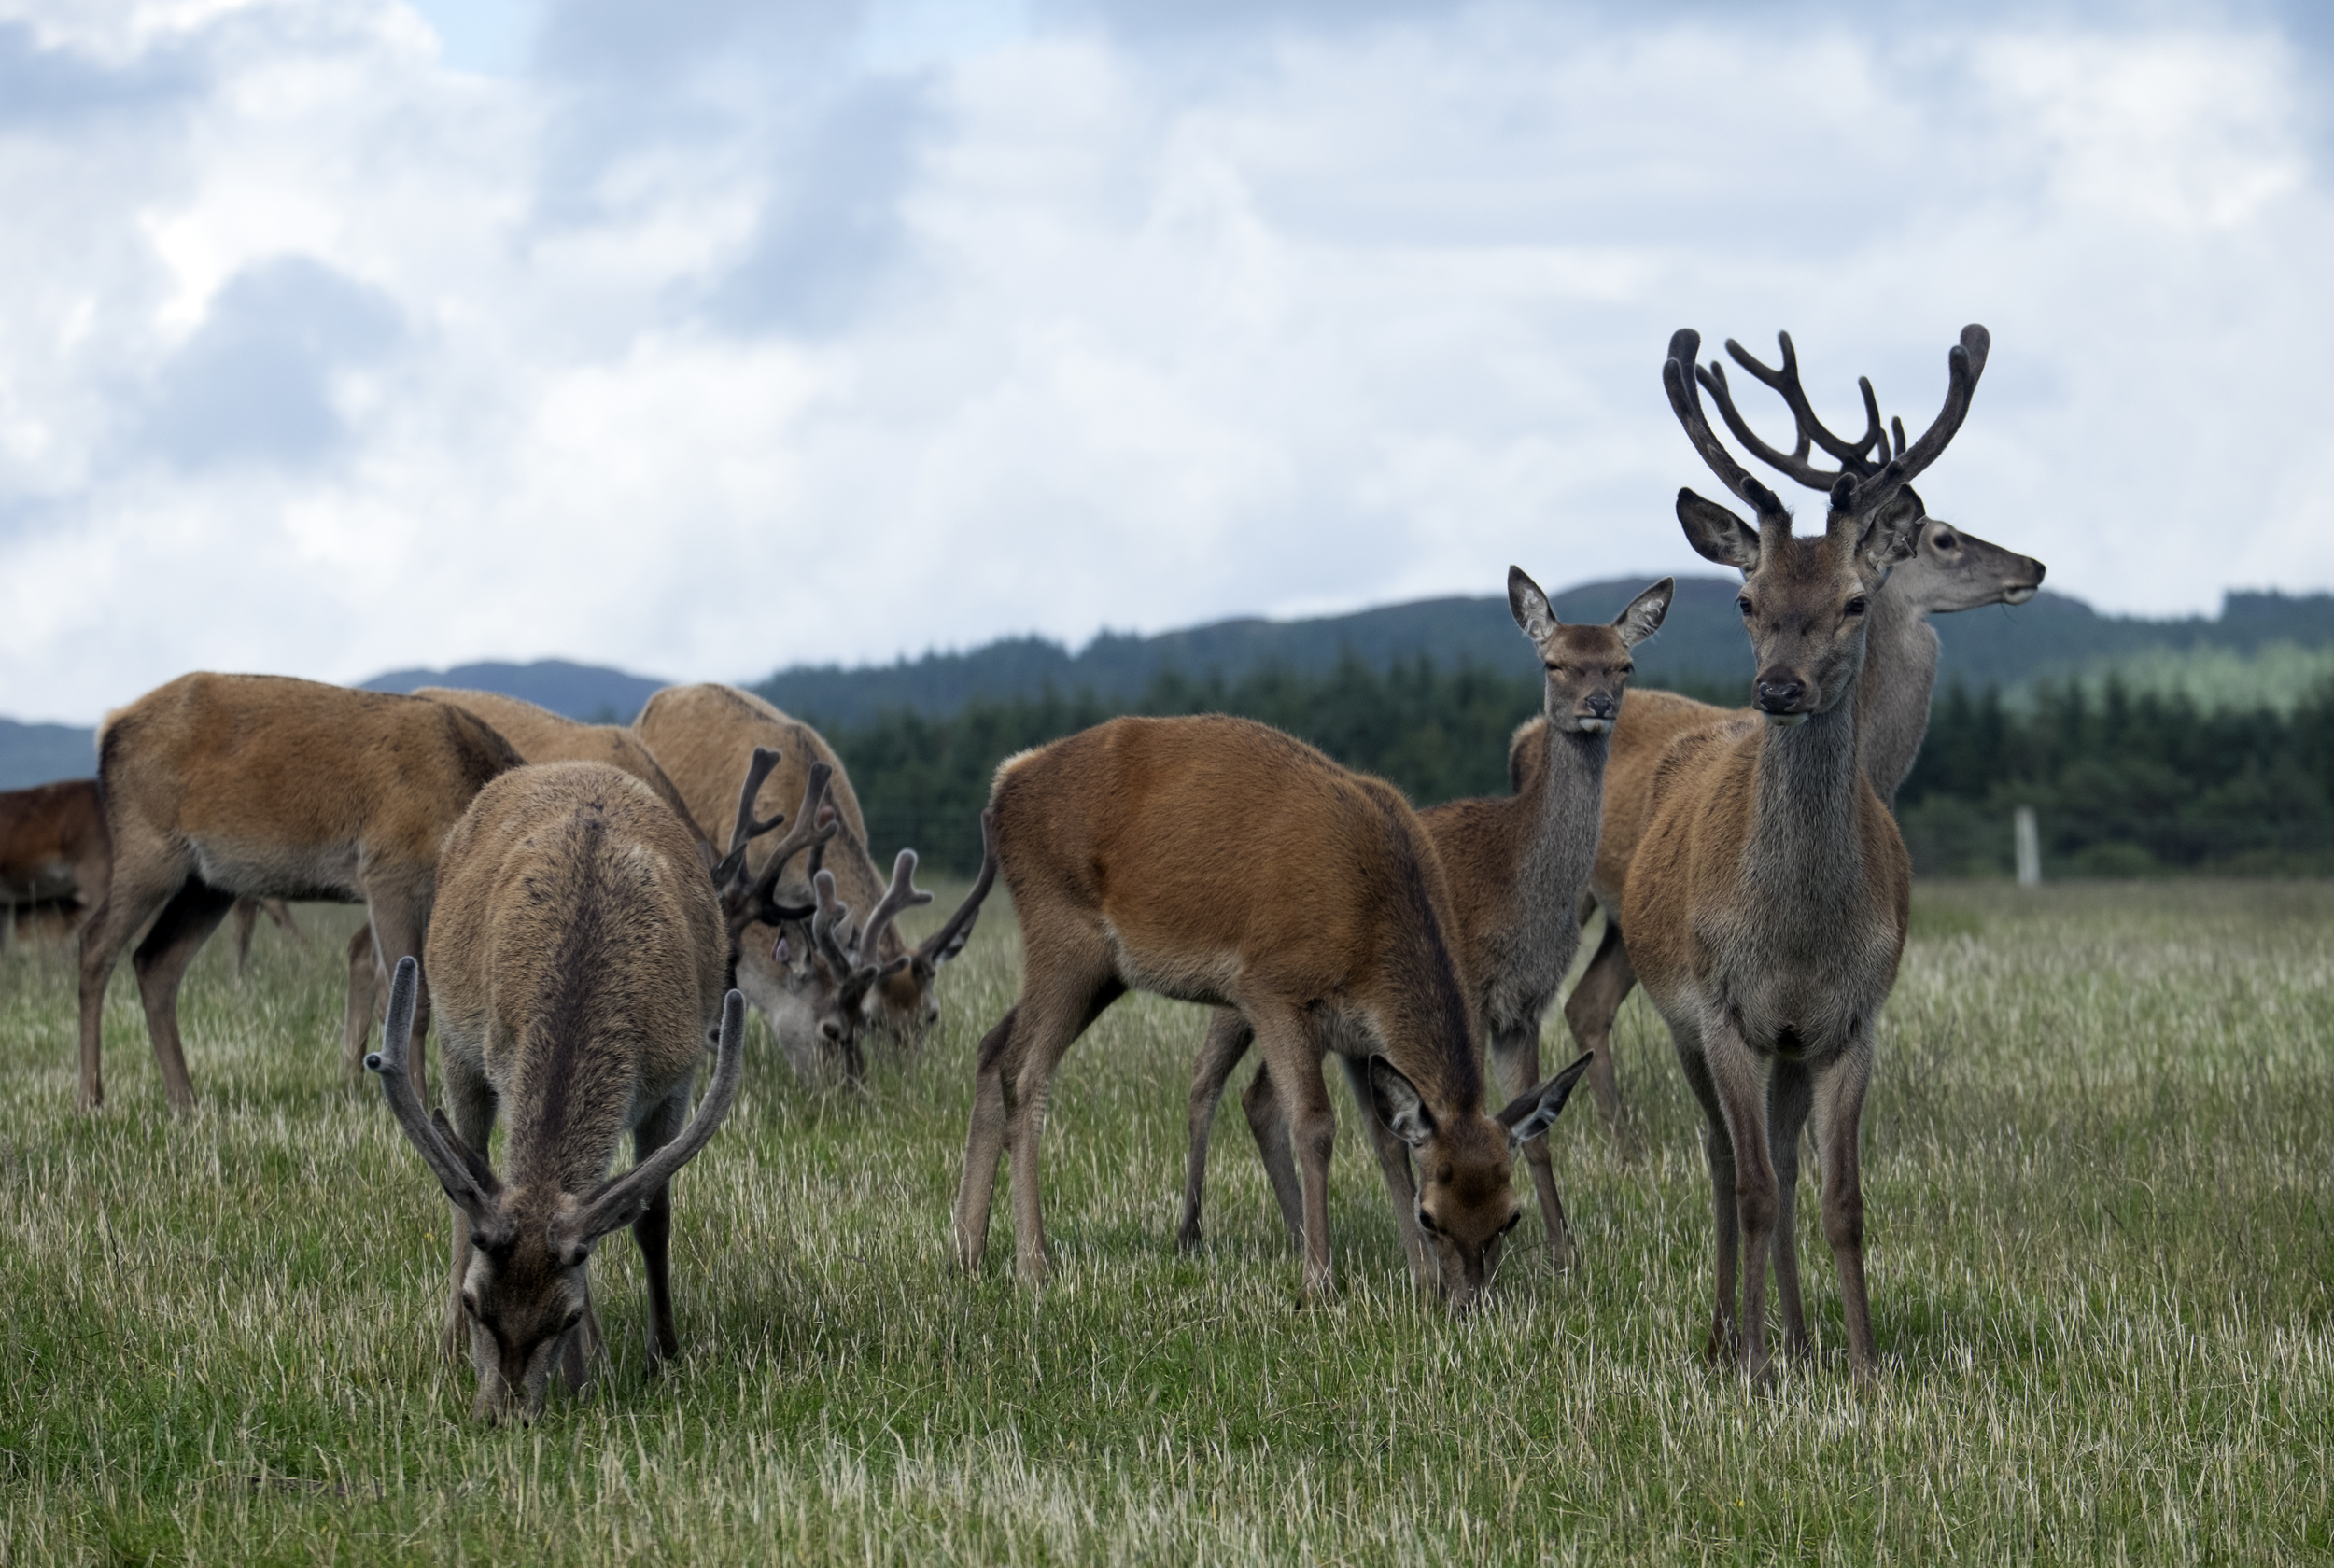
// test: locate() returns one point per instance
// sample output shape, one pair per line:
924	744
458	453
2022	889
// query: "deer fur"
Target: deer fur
821	985
578	966
1218	860
539	736
1515	866
224	786
1767	900
53	847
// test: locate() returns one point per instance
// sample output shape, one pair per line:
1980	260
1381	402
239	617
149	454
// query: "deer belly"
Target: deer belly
263	870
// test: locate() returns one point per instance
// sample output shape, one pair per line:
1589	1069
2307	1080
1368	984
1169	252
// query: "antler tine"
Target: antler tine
1964	363
1677	380
948	940
397	1086
1898	425
814	824
902	894
1794	463
1785	384
766	759
831	912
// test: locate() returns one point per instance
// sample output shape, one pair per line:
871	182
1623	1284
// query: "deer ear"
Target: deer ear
1893	533
1717	534
1529	606
1535	1111
1643	617
1397	1101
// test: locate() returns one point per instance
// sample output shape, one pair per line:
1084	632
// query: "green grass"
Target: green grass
2098	1167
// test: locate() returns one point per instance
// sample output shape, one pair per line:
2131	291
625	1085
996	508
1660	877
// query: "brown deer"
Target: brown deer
539	736
1950	570
225	786
1216	860
579	965
1766	903
1516	867
53	849
820	986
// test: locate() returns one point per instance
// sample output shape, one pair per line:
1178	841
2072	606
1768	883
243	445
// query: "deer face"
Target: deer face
1586	666
525	1294
1951	570
1466	1201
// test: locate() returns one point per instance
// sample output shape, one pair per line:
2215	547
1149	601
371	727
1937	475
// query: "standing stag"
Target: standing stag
579	963
539	736
1216	860
1515	867
819	982
1765	906
1950	570
220	785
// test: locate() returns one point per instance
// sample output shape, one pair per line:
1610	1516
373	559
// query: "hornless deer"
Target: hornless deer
820	985
1767	900
579	964
1950	570
222	785
53	847
539	736
1515	866
1216	860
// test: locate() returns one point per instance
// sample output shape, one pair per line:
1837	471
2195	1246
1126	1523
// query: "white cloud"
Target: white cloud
765	340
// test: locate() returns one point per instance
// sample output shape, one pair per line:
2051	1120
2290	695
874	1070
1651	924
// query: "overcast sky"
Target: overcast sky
709	336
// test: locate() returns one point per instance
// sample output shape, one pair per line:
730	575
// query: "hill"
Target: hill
592	692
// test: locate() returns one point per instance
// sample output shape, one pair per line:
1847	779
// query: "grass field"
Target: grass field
2098	1172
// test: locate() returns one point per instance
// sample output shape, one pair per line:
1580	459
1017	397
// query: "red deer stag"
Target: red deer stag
222	785
821	984
579	965
1950	570
1766	903
1215	860
1515	866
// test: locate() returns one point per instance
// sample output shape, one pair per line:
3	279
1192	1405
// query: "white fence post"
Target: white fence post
2029	848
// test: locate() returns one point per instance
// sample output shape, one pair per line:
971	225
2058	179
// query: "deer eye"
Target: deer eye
1947	541
1857	604
573	1318
1425	1223
470	1303
1513	1220
1626	670
1744	605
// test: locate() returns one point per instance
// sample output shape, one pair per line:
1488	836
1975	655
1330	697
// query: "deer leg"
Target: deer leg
469	1105
1739	1080
1790	1091
400	922
1051	1022
1401	1185
1294	1059
1228	1041
246	922
1268	1119
1717	1151
161	961
984	1142
1515	1055
366	1001
1589	1013
653	1230
136	892
1839	1105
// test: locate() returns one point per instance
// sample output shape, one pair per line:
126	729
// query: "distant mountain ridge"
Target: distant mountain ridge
592	692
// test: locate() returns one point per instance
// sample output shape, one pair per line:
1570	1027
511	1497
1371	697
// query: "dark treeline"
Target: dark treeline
2122	784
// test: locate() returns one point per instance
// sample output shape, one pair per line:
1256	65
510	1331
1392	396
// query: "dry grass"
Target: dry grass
2103	1274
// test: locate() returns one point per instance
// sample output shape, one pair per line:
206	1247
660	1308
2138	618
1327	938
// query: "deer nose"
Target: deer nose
1781	693
1600	706
829	1027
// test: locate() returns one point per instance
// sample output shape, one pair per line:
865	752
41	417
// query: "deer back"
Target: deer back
281	785
541	736
576	960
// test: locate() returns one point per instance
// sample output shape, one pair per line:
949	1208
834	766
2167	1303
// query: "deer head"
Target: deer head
529	1288
1466	1201
1586	666
1805	600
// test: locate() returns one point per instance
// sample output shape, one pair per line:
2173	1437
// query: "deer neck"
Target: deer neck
1803	847
1562	807
1901	653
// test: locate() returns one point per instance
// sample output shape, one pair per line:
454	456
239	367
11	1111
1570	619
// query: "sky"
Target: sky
714	336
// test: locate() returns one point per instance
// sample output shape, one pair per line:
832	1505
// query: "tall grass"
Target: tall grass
2102	1279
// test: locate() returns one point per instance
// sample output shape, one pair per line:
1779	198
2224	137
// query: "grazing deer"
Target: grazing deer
1216	860
53	847
1765	906
1516	867
579	965
819	986
539	736
1950	570
225	786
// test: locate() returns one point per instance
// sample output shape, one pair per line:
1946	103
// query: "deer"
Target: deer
224	786
1516	867
821	985
540	735
1218	861
1766	902
579	963
1950	570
